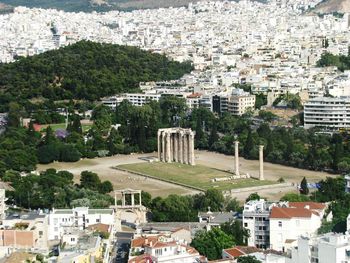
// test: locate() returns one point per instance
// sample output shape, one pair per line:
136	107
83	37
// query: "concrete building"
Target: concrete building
168	251
347	183
256	218
288	223
25	231
328	248
62	221
240	102
278	225
176	145
327	113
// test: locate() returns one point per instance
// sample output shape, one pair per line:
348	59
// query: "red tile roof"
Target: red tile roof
145	258
287	212
142	241
234	252
241	250
312	205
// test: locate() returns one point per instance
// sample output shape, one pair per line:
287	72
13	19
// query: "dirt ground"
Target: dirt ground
272	172
121	180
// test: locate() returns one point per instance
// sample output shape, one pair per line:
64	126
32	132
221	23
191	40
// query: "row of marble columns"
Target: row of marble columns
261	160
124	194
176	146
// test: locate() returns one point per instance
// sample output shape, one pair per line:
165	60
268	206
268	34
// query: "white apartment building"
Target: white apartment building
327	113
278	225
63	220
328	248
256	216
240	102
288	223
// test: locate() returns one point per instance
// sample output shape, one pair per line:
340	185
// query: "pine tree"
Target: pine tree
249	145
214	137
303	187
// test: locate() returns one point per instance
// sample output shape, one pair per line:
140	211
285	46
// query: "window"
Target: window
280	223
72	239
87	220
40	233
97	220
245	224
55	229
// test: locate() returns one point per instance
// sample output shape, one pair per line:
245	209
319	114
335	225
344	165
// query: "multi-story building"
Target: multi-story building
328	248
256	217
278	225
288	223
63	220
168	251
328	113
347	183
240	102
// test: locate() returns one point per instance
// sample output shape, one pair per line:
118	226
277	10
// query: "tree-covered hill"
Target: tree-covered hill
85	70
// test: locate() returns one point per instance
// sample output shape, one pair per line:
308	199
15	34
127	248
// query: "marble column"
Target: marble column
176	147
171	146
261	162
159	146
132	200
181	146
168	148
123	200
185	143
236	158
163	147
191	146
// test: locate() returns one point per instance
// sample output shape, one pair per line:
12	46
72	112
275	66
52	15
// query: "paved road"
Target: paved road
122	246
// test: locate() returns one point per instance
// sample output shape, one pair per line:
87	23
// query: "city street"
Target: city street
122	246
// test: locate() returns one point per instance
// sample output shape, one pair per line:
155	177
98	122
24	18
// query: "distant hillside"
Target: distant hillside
85	70
333	6
97	5
5	8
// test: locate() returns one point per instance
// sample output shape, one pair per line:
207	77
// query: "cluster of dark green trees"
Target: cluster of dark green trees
57	189
84	70
21	149
341	62
176	208
186	208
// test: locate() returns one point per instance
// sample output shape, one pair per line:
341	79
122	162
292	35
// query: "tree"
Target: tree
213	137
212	198
89	180
253	196
14	115
249	145
146	199
75	125
235	229
303	187
211	243
105	187
293	197
247	259
232	204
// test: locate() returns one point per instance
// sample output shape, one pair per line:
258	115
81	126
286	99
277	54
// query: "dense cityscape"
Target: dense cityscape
213	131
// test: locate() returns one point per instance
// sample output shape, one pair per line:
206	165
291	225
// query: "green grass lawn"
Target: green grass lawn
57	126
198	176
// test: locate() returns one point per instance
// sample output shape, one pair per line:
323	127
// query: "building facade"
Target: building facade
63	220
327	113
328	248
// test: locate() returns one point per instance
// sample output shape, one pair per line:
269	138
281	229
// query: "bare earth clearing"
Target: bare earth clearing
120	180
